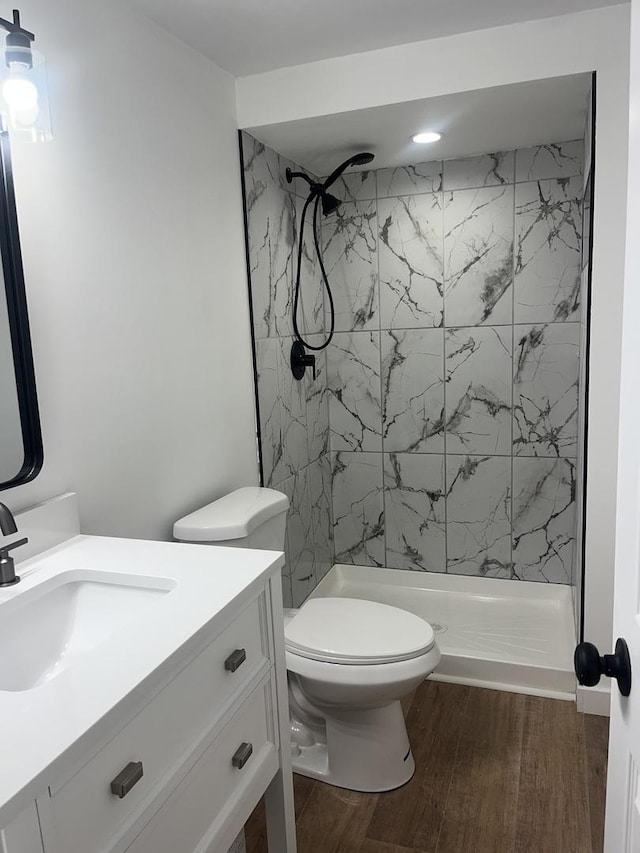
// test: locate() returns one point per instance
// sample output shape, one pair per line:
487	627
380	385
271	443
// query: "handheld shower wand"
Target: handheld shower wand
318	195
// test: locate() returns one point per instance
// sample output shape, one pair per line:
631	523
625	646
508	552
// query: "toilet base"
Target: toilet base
366	750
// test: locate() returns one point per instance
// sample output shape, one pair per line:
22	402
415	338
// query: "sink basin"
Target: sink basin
44	630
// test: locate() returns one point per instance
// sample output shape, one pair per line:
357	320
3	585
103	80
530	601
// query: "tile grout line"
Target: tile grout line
329	450
382	449
327	403
444	378
512	574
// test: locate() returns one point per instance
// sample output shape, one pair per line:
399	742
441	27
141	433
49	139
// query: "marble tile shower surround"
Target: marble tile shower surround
478	249
350	257
410	263
294	416
453	384
442	432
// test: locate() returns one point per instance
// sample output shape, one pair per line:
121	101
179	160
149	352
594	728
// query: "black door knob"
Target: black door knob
589	666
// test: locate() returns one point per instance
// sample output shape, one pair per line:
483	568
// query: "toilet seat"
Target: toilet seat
356	632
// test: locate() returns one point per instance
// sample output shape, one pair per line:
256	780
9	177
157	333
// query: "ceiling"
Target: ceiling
487	120
251	36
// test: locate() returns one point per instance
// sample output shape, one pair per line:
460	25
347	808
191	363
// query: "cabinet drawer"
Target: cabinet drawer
84	814
213	801
22	835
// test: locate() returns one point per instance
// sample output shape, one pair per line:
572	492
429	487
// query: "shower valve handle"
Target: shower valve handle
301	359
310	361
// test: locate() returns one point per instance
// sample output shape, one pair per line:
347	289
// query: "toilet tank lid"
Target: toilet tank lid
234	516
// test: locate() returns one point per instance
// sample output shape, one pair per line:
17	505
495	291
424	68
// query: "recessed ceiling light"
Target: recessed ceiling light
426	137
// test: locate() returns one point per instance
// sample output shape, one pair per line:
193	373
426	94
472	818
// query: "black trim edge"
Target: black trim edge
254	355
18	323
587	359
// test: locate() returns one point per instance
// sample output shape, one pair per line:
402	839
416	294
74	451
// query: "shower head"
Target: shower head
329	203
360	159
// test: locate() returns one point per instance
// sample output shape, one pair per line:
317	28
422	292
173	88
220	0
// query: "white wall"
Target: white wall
132	235
571	44
552	47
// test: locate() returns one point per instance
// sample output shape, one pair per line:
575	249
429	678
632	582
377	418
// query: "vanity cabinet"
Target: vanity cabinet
184	770
215	786
22	835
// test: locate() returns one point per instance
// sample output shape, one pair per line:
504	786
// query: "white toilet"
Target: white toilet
349	661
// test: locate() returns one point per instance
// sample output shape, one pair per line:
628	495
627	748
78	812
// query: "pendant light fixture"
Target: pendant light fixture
24	102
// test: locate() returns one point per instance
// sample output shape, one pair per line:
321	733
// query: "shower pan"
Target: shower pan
517	637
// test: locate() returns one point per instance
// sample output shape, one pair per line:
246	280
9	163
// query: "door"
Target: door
622	832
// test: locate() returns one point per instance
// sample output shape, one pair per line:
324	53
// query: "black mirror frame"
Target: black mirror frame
18	323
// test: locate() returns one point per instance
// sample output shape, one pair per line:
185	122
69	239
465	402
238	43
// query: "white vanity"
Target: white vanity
143	697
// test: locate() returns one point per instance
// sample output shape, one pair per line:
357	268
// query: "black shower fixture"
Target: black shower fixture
318	195
329	203
361	159
316	189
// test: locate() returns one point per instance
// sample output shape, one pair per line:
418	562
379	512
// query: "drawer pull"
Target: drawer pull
127	778
242	755
235	660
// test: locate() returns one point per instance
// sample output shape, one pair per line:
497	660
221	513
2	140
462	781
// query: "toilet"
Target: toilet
349	661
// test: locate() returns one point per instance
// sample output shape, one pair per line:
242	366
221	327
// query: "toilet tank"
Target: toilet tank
251	517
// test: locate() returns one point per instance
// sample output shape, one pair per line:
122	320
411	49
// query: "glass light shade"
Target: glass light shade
24	97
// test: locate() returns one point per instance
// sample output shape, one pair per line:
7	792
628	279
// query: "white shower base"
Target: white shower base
506	635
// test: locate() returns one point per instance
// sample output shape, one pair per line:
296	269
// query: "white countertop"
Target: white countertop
45	728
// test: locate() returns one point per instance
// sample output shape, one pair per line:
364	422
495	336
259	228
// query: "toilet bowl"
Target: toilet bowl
349	661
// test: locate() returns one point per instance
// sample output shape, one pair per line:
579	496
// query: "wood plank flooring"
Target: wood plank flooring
495	773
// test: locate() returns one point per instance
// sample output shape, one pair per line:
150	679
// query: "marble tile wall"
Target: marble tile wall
442	431
294	416
453	378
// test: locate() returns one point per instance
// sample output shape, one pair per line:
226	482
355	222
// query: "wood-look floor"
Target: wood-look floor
495	773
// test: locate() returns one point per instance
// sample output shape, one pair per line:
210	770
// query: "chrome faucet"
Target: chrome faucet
7	566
